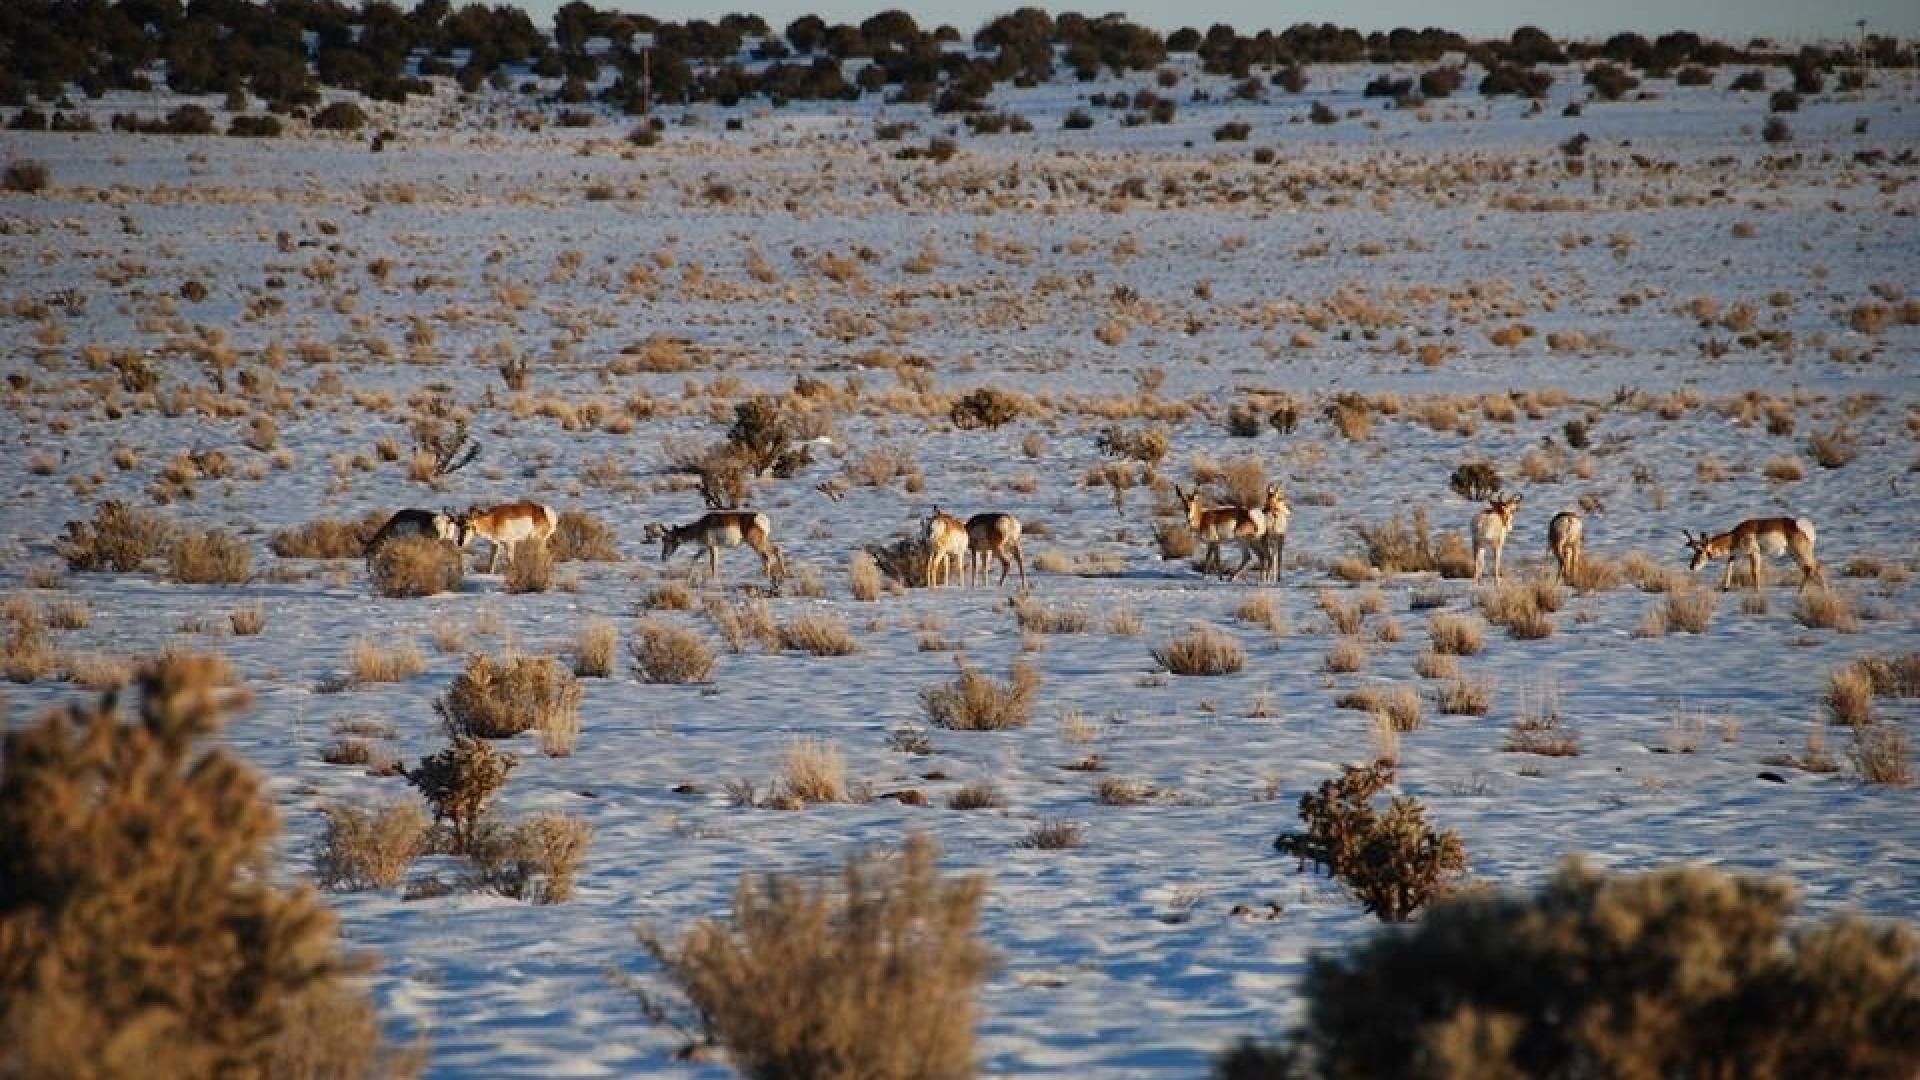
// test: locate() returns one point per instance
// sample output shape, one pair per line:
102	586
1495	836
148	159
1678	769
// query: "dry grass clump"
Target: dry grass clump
664	652
1399	704
369	848
247	621
1784	470
209	558
864	578
813	772
979	795
498	699
119	538
1394	862
145	846
821	635
530	570
537	859
1346	656
1125	622
1594	573
1346	618
1120	791
374	661
1521	607
1689	610
1465	697
1896	677
593	653
1882	754
672	596
73	615
26	655
975	702
1456	635
1832	449
1433	665
1399	548
1849	697
874	976
1036	618
1538	729
580	537
413	566
1648	575
1678	972
326	539
1824	609
1260	610
1053	835
1202	651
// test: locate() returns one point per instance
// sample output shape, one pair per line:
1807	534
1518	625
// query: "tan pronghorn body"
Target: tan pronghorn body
1214	525
1490	529
996	535
433	524
724	529
1753	538
506	526
1565	534
1278	515
946	538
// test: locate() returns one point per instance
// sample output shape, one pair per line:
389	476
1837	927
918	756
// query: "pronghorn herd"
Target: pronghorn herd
1261	532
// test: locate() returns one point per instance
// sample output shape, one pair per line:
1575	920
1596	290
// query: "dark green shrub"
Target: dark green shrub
1680	972
1394	862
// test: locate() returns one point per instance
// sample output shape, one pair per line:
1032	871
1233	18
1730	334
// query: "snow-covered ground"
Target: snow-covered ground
1684	265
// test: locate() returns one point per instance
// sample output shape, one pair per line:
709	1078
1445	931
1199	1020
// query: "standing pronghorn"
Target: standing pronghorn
432	524
1564	535
1277	514
724	529
1490	529
507	525
1214	524
946	540
997	535
1752	538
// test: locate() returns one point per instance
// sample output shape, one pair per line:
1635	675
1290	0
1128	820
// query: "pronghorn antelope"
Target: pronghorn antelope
724	529
997	535
1490	529
1564	535
1752	538
433	524
506	525
946	539
1278	514
1216	524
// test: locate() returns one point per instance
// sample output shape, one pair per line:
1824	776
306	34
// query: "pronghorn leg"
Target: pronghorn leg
933	568
1005	564
771	562
1021	560
1479	557
1726	579
1246	556
1279	558
1753	562
713	564
1499	549
493	555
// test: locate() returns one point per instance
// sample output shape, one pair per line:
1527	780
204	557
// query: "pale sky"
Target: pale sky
1728	20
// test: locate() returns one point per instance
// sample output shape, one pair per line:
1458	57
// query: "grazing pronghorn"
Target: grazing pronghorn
1564	535
946	539
1752	538
506	525
1490	529
1278	514
997	535
724	529
433	524
1216	524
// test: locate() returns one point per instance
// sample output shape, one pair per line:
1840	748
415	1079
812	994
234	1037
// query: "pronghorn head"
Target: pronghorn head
669	540
1276	500
1190	502
453	525
1505	505
1701	547
927	526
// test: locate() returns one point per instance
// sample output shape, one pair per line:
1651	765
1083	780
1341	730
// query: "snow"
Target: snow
1124	956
